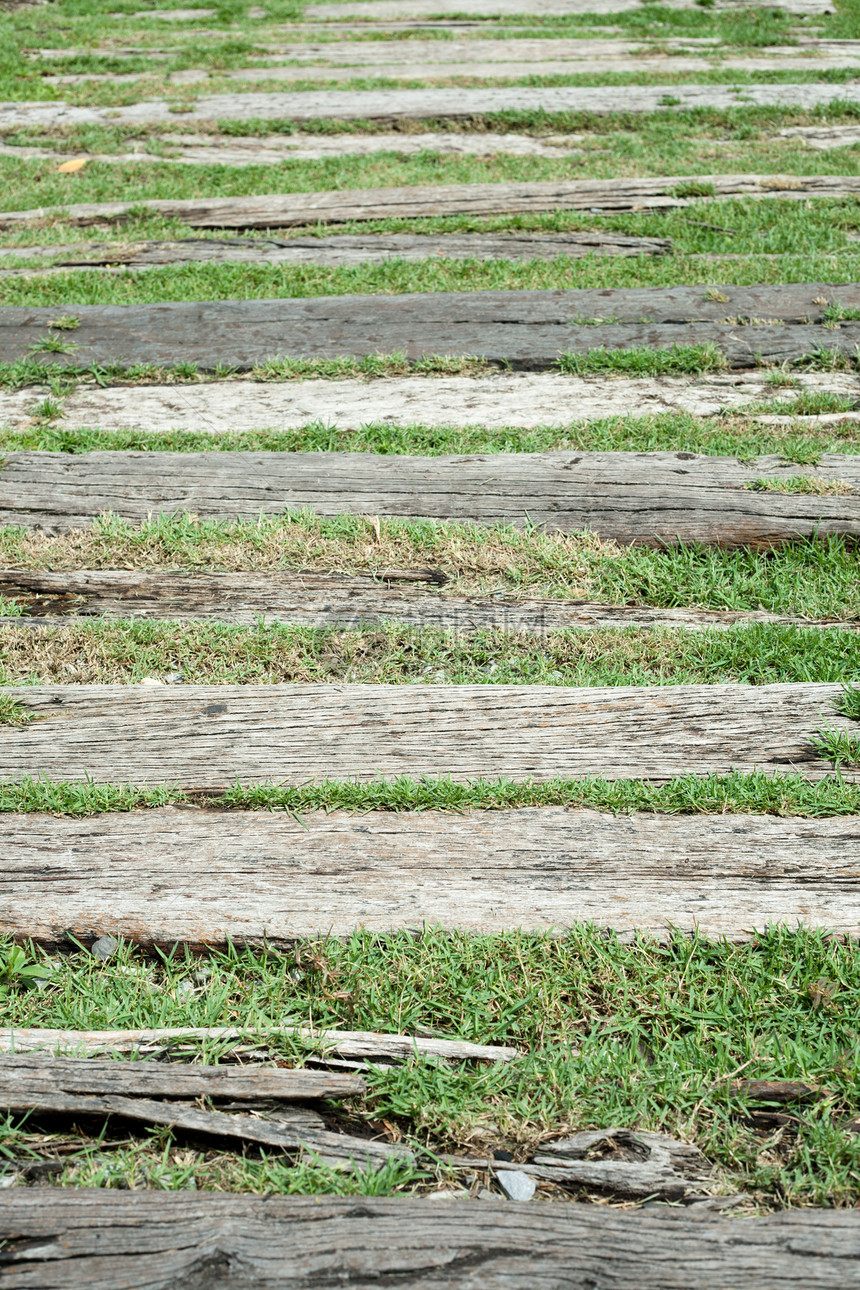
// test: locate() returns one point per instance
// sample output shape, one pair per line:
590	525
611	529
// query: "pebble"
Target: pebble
515	1184
104	948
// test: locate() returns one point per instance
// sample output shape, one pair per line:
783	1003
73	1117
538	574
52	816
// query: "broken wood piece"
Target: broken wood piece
781	1091
648	499
271	879
17	1097
284	210
363	1045
630	1163
430	104
208	738
325	600
173	1079
158	1240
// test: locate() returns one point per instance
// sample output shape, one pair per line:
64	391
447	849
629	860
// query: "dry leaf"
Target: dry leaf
69	167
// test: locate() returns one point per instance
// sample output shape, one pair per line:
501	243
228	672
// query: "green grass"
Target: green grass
808	579
12	713
801	485
755	793
641	1035
730	435
116	652
768	241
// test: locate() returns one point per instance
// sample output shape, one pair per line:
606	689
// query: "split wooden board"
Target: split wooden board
202	878
325	600
427	104
651	499
347	249
95	1239
207	738
172	1079
526	329
493	400
285	210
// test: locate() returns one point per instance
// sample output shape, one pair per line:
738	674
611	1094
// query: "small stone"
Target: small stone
174	678
104	948
515	1184
184	988
151	680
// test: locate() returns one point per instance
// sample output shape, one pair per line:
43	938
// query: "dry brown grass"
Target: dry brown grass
475	559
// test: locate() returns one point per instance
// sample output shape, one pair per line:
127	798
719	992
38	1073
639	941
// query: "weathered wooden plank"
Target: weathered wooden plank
526	328
203	878
206	738
172	1079
263	150
323	600
824	137
641	498
151	1240
494	400
442	65
346	249
283	210
400	10
427	104
356	1045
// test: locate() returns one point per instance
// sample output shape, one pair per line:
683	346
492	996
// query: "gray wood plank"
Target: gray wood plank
492	400
646	499
283	210
343	249
206	738
527	329
427	104
148	1240
323	600
399	10
355	1045
202	878
172	1079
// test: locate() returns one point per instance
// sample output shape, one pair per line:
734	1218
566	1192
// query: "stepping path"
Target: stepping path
495	400
428	104
296	209
325	600
529	329
653	499
206	738
269	877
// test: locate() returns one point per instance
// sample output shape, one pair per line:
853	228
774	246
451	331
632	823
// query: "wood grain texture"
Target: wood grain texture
98	1239
206	738
347	249
324	600
286	210
200	878
528	329
172	1079
353	1045
427	104
649	499
493	400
